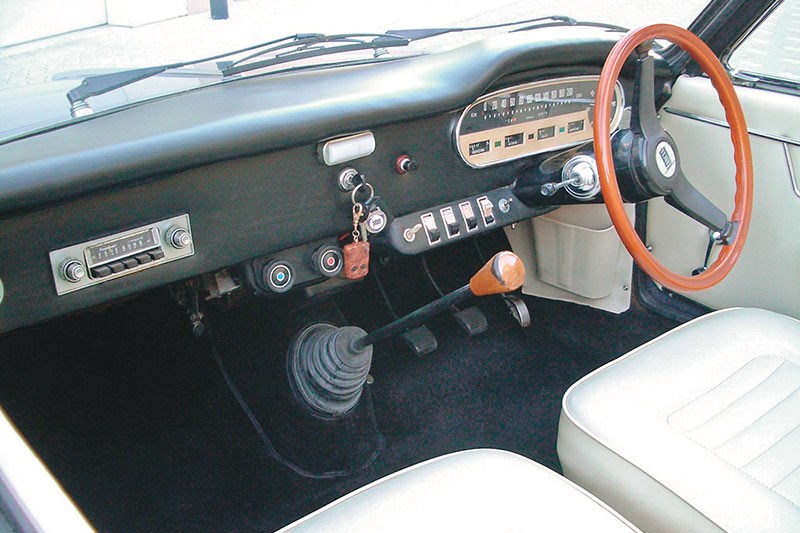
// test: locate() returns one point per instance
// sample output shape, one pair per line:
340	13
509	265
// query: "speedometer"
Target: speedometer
529	119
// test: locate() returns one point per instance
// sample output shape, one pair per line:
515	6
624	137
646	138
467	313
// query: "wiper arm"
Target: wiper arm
313	45
103	83
296	47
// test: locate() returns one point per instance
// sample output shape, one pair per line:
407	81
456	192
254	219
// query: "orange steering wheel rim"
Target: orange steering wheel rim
743	161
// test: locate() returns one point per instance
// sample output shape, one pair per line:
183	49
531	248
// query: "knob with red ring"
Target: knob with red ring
404	164
327	260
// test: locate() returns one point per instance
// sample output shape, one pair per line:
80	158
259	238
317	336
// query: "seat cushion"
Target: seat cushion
474	490
698	430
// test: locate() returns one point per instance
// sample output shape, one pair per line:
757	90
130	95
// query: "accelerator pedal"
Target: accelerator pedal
518	309
472	320
420	339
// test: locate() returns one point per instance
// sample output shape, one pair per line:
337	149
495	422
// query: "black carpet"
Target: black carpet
134	418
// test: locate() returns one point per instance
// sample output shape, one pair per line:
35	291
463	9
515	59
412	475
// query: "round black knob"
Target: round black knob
327	260
278	275
405	164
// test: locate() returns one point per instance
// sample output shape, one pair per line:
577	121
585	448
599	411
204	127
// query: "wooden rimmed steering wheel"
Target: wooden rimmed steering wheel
651	162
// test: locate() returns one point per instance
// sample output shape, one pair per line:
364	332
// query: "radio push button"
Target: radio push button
143	258
101	272
130	262
116	266
156	254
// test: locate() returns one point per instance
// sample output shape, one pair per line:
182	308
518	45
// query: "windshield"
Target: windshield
48	48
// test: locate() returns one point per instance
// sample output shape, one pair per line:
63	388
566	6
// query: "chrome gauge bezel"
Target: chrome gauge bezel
618	91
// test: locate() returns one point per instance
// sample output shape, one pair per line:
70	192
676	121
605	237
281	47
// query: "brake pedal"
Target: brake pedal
420	339
472	320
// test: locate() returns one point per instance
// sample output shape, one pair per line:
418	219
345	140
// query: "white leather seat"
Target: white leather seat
475	490
698	430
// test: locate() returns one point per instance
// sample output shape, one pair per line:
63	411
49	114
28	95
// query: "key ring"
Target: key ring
355	191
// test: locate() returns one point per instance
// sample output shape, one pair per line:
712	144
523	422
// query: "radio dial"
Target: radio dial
179	238
73	270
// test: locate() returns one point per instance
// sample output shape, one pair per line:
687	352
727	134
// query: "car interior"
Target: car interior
545	280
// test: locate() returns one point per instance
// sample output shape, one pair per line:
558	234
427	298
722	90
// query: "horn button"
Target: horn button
646	168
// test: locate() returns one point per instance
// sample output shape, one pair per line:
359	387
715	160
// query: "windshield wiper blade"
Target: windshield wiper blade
103	83
297	47
304	48
314	46
426	33
532	24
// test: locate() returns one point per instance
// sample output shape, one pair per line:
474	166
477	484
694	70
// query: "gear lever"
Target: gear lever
328	365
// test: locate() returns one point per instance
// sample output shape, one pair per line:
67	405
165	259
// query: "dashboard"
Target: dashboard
232	176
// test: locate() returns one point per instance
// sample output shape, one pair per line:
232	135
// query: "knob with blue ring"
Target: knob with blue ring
278	275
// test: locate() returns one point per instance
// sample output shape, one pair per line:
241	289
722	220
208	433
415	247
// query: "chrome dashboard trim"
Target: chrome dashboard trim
532	85
790	167
718	122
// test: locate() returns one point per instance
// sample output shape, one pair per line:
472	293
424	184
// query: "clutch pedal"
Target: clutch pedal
421	340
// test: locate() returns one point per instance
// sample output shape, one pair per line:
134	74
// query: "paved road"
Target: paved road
253	21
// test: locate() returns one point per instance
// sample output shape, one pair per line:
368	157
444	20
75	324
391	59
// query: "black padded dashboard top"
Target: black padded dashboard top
240	158
257	115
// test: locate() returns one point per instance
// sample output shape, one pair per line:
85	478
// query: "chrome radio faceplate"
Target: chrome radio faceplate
113	256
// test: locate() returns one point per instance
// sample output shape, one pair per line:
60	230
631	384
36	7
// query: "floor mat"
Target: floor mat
133	417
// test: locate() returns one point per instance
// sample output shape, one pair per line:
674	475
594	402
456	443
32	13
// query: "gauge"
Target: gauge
530	119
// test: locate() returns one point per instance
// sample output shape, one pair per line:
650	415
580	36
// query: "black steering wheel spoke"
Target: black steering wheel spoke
691	202
644	119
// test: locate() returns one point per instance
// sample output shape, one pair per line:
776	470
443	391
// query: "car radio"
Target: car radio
89	263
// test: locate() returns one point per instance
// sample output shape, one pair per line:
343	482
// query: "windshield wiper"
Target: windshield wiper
104	83
532	24
314	45
297	47
426	33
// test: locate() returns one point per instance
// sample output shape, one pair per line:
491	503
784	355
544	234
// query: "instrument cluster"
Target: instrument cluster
529	119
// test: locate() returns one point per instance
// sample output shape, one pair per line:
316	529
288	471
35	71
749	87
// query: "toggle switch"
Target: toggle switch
431	229
450	222
487	210
469	216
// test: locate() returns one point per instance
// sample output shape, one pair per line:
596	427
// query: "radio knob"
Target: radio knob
179	238
73	270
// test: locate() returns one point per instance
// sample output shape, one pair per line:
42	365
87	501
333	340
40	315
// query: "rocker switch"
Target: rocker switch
469	216
450	222
487	210
429	223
